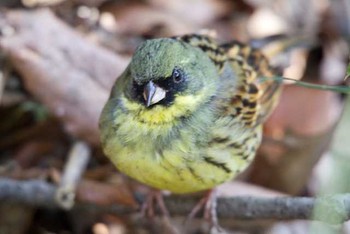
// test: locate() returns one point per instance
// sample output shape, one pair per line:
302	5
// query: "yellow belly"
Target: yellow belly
172	170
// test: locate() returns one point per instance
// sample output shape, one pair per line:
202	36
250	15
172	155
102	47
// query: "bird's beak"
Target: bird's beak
153	93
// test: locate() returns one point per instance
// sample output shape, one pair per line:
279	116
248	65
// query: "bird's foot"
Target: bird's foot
154	197
209	204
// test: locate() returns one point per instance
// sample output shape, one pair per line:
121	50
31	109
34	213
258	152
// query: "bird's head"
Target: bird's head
163	71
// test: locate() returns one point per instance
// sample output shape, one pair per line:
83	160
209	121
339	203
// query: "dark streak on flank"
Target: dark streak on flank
219	140
234	145
178	171
244	142
220	165
246	156
195	175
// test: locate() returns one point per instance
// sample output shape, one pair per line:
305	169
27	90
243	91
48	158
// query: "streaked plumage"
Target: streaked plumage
204	129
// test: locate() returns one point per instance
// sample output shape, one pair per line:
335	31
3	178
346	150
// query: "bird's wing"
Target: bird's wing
253	96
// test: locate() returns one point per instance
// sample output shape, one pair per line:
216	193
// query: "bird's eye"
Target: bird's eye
177	76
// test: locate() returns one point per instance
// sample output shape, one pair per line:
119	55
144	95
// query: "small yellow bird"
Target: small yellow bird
186	115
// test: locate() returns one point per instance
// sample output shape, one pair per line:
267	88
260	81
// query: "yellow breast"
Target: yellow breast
145	147
173	169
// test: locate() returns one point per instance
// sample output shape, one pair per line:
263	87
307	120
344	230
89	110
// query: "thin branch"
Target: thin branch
77	161
330	209
31	192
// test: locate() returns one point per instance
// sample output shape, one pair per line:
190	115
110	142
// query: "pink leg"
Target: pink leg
208	203
154	197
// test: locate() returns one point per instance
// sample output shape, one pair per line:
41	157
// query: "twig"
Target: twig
31	192
336	208
78	158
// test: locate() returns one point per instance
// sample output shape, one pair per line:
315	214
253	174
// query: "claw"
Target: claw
209	204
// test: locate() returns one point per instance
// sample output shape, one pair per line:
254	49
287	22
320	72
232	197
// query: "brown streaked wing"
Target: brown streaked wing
254	98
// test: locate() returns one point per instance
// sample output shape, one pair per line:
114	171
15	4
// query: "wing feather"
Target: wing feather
255	97
251	99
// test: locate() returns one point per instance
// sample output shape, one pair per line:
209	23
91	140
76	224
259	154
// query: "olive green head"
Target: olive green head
163	69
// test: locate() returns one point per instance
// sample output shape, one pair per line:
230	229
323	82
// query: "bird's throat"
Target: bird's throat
183	106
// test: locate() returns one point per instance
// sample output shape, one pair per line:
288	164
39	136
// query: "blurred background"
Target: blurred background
59	60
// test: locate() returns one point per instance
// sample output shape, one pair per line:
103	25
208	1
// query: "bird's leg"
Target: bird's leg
210	209
160	202
147	206
154	197
208	203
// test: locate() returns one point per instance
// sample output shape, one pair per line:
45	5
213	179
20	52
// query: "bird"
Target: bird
186	115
